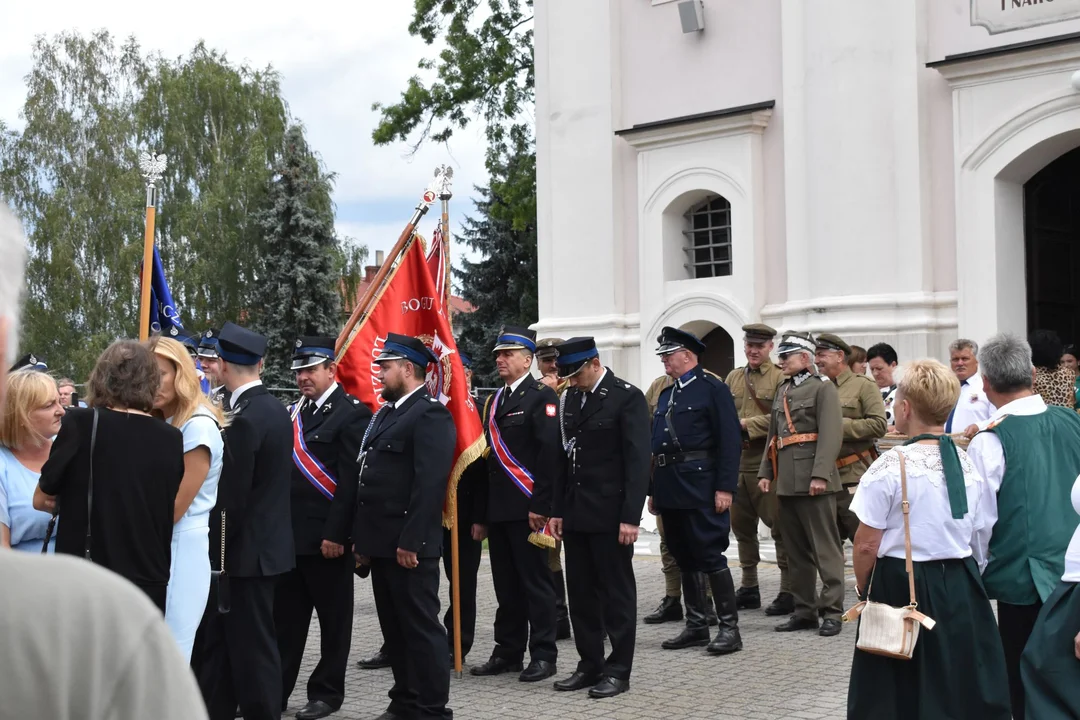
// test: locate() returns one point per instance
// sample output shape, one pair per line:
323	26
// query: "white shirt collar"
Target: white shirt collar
517	383
235	398
398	403
326	395
1030	405
598	381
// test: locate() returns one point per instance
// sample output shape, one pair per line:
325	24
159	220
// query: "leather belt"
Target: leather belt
673	458
783	442
865	456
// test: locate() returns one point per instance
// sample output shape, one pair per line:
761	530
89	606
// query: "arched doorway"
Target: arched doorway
719	356
1052	247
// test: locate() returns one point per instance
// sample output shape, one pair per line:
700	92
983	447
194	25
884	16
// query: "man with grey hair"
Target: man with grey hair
972	409
112	654
1029	455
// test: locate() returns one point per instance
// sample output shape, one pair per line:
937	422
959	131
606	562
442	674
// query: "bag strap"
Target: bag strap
90	485
905	508
753	395
787	413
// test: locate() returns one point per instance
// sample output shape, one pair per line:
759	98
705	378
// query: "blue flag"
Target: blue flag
163	313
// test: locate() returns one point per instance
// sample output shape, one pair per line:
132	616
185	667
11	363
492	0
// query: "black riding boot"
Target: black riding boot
727	638
696	632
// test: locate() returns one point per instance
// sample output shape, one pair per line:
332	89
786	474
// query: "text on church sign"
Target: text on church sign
999	16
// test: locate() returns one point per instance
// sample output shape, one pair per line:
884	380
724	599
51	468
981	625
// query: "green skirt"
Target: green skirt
1049	666
958	668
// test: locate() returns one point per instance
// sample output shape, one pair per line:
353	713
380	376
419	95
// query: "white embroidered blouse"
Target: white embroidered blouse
935	535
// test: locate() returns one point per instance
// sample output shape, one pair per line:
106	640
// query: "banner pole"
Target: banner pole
152	167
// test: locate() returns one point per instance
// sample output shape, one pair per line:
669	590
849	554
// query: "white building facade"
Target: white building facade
890	170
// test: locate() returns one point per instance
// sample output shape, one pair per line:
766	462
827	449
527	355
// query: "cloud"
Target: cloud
336	58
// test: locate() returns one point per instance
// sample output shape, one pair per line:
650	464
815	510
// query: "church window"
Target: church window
708	238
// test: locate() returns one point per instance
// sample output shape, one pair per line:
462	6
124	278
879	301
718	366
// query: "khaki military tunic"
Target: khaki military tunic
814	405
864	422
765	380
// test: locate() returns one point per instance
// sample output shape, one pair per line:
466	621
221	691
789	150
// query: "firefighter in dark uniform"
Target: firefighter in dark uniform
408	452
597	509
696	444
328	425
240	664
522	427
211	364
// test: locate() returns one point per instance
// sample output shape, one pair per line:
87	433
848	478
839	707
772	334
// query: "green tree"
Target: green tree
502	284
296	293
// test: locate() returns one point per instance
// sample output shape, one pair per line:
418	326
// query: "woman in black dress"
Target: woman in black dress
138	462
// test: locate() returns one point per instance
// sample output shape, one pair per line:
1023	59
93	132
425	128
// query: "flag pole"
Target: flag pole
443	176
152	167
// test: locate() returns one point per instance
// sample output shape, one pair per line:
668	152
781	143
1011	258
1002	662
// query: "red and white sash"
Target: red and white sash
308	465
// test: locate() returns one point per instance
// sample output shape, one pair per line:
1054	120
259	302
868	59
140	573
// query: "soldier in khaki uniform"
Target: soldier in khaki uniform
547	363
753	387
864	421
806	431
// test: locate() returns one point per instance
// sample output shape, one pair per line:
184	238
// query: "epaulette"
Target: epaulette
540	385
824	378
710	372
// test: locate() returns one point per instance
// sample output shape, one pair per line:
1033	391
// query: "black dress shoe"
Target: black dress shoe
314	710
748	598
797	623
669	610
830	628
495	666
577	681
687	638
375	662
609	687
784	604
538	670
562	629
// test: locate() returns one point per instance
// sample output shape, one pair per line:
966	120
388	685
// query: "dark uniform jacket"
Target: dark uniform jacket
529	423
332	436
407	459
607	472
703	419
814	405
472	492
254	489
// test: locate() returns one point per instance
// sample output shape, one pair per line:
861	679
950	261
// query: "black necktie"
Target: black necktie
309	408
507	392
585	397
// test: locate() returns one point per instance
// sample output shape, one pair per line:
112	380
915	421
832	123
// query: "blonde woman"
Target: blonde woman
30	419
181	402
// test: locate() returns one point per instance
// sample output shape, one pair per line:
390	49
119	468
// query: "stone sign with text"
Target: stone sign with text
999	16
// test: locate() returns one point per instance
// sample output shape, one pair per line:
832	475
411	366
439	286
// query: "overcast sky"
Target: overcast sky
335	59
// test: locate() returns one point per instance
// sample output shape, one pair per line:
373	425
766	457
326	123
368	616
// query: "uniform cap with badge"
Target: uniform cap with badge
208	344
240	346
575	354
515	338
31	361
547	348
828	341
672	340
466	361
312	350
189	339
758	333
404	347
794	342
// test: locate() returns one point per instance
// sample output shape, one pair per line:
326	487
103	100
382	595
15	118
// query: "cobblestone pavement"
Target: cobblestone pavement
776	675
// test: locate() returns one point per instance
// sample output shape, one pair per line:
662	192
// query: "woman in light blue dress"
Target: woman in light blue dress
183	405
31	418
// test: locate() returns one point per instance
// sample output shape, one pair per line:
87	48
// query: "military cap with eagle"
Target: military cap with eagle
240	346
672	339
548	348
828	341
574	354
794	342
208	344
758	332
516	338
312	350
404	347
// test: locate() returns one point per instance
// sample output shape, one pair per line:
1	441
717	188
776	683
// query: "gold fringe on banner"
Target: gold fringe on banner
467	457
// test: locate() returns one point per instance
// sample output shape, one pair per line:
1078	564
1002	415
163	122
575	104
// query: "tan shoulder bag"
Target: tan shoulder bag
884	629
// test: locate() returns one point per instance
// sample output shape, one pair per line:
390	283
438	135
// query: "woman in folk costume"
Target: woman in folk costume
958	668
1050	665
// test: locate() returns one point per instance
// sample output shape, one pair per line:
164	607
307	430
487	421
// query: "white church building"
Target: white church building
889	170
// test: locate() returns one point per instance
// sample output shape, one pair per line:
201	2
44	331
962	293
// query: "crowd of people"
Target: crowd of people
234	518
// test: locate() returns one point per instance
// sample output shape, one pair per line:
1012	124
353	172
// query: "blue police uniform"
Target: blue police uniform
696	443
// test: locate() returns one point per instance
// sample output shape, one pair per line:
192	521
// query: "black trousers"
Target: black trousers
1015	623
240	663
697	538
327	587
470	552
603	596
408	604
525	591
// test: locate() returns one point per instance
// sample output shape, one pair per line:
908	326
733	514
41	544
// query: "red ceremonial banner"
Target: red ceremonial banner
410	304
